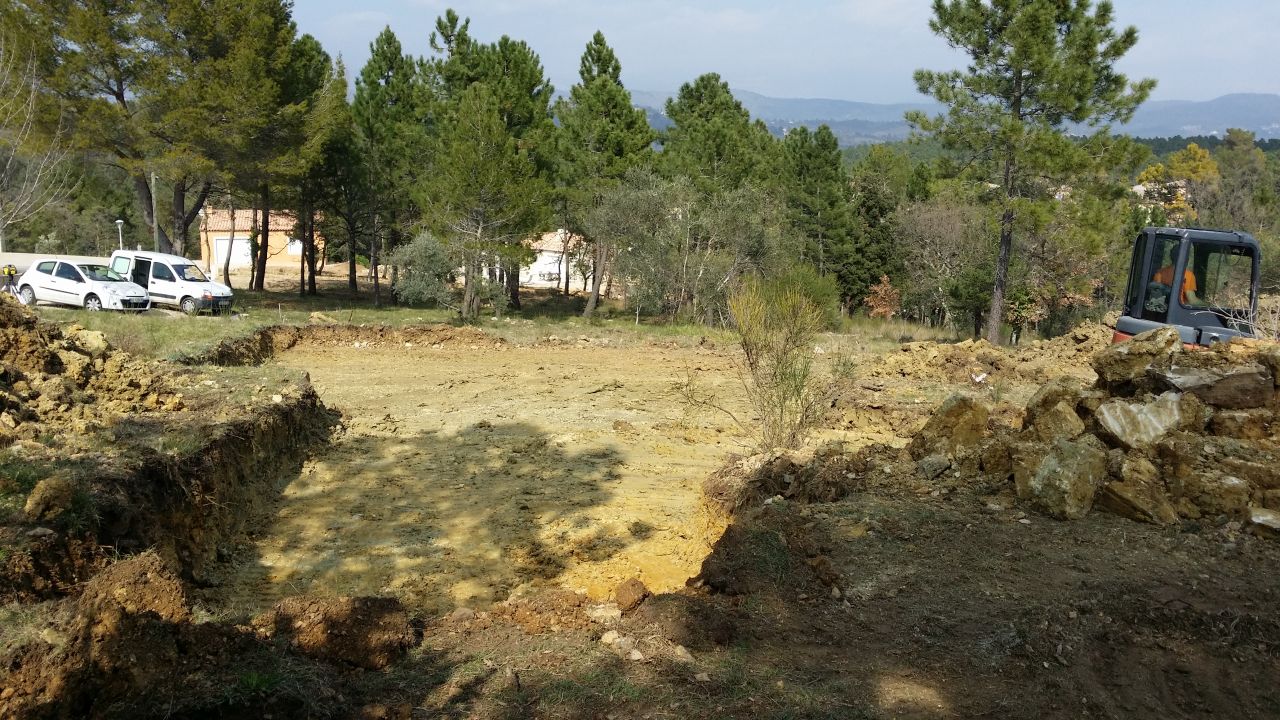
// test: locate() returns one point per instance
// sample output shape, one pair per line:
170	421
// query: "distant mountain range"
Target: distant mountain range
858	123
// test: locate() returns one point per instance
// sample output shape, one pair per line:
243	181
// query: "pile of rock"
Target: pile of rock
1164	434
69	377
980	362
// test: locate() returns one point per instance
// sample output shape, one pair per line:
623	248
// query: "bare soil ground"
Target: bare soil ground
480	483
465	476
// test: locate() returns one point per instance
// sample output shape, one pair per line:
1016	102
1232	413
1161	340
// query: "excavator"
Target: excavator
1202	282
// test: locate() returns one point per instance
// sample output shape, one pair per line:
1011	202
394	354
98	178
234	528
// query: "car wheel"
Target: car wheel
189	305
28	295
92	303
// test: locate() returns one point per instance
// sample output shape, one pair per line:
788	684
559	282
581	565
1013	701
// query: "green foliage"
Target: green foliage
681	263
1034	66
600	136
712	140
485	195
818	196
822	291
427	268
777	325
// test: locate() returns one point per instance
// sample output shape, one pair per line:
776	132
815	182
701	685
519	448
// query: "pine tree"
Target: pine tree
601	135
386	110
712	139
484	195
180	88
1035	65
818	195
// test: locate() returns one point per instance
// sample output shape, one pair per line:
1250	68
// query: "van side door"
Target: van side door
164	284
120	264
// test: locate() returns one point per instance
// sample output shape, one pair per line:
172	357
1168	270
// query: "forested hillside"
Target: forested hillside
1012	208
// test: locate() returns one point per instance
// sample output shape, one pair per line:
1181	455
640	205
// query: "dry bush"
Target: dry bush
1266	324
885	300
777	326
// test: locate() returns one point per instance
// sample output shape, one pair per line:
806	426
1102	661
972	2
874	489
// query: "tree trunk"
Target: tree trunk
995	315
143	190
310	251
597	275
469	279
374	244
302	256
264	241
513	284
564	260
179	209
231	244
351	260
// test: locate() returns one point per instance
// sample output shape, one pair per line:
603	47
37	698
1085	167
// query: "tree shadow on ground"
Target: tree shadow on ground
438	521
946	612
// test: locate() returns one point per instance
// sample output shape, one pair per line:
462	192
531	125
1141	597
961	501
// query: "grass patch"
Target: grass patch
23	624
17	479
598	685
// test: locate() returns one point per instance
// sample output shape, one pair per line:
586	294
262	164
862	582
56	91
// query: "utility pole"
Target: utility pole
155	216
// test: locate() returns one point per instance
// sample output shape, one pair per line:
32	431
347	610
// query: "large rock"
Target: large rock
629	594
50	498
1062	389
1213	378
1066	479
1264	523
1269	355
1058	422
958	424
92	342
75	367
1139	424
1138	493
1126	364
1242	424
1214	493
1261	470
995	458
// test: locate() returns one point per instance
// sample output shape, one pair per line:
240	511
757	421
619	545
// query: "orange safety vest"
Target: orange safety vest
1164	276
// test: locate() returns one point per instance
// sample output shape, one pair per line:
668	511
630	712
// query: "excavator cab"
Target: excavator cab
1202	282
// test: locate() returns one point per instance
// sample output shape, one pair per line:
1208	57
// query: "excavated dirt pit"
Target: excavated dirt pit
467	474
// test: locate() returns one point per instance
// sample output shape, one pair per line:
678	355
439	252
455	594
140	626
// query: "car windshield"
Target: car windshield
100	273
190	273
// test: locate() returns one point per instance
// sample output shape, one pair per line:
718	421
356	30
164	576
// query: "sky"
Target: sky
863	50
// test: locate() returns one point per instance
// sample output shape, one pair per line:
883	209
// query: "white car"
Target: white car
172	280
86	285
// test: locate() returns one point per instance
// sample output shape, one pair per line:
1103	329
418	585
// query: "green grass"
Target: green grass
24	624
170	335
17	479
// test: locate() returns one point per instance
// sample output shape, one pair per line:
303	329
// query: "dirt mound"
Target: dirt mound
980	362
139	585
263	344
101	451
767	549
128	648
368	632
824	474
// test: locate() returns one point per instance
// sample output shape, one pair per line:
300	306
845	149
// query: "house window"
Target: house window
295	247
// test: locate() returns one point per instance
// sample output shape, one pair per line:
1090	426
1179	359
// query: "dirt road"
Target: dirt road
467	475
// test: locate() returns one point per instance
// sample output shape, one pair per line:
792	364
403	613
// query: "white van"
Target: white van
172	280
